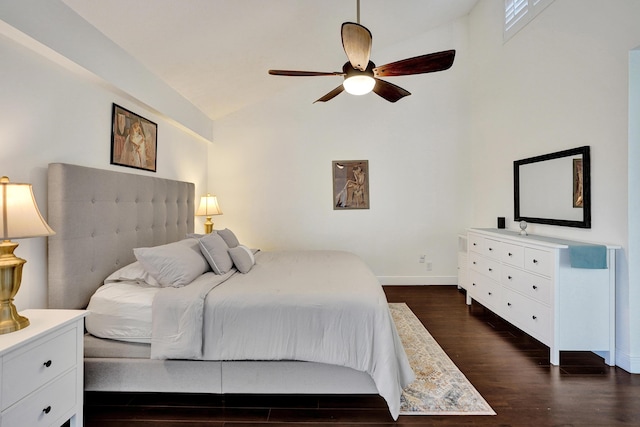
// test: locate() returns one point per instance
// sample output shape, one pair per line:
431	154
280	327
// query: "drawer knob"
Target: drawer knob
473	284
509	304
535	261
535	287
510	277
47	409
491	269
47	363
490	249
510	254
534	317
489	293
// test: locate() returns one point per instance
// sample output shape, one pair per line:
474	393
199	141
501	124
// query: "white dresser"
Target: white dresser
529	281
41	370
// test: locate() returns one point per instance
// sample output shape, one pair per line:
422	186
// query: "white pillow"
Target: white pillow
133	272
215	250
174	264
243	258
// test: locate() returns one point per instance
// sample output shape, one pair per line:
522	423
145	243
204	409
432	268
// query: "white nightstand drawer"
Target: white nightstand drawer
41	361
46	406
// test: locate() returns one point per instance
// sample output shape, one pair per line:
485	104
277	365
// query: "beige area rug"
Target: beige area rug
440	388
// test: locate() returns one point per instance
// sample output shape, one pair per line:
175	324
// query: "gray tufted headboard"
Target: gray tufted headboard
99	216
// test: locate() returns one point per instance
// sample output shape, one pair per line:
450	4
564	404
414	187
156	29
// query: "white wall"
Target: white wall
50	113
561	82
633	297
272	167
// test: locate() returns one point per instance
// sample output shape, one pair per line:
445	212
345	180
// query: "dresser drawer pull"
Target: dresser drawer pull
473	284
491	269
510	277
489	293
535	288
535	261
47	409
490	249
509	304
534	317
47	363
510	254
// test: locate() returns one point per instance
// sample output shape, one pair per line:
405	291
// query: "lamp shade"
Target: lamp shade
208	206
19	214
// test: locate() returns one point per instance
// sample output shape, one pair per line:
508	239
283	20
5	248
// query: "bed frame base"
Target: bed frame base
246	377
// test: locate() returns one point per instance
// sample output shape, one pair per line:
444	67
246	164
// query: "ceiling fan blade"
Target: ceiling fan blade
337	91
389	91
356	41
304	73
429	63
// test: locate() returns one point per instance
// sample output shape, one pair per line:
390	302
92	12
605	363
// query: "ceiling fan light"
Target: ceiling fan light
359	84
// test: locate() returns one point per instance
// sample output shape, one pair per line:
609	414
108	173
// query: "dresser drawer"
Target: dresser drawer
512	254
538	261
536	287
487	247
47	406
485	290
25	370
532	317
486	266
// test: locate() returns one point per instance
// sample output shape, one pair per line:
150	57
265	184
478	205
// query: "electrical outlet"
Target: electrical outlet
422	259
429	265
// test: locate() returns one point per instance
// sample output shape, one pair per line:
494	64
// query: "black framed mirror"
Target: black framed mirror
554	188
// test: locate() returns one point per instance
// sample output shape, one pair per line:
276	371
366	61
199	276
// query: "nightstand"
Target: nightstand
41	370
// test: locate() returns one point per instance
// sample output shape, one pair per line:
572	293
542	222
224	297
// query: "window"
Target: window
518	13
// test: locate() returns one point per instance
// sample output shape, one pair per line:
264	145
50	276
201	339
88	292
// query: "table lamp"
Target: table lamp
208	207
19	219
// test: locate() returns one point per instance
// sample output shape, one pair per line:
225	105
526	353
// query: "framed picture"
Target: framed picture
578	198
133	140
350	184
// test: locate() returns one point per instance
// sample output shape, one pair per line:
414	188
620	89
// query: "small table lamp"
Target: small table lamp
19	218
208	207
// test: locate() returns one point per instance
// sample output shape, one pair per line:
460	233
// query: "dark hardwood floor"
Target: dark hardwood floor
510	369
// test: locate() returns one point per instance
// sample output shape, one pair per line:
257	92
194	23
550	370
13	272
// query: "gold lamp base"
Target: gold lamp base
208	225
10	278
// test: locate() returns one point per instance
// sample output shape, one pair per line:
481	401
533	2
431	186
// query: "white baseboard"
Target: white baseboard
628	363
418	280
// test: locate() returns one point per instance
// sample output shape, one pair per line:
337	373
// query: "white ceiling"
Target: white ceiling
216	53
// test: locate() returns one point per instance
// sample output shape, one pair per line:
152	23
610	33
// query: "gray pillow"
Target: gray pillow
174	264
215	250
242	258
230	239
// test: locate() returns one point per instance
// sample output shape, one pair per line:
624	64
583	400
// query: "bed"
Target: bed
101	216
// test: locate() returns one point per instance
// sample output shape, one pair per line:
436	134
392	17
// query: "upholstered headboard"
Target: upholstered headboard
99	216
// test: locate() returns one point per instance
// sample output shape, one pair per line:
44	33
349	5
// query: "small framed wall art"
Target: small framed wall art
133	140
350	184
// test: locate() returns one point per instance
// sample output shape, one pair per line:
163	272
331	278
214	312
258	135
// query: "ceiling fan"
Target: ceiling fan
361	76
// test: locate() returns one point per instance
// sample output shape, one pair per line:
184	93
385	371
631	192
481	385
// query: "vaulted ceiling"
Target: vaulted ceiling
216	53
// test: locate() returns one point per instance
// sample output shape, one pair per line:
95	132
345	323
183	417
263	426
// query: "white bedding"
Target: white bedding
122	311
317	306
